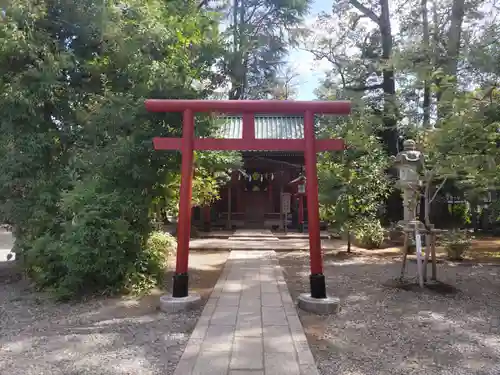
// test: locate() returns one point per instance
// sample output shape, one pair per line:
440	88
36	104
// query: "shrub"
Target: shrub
456	244
154	259
105	248
369	233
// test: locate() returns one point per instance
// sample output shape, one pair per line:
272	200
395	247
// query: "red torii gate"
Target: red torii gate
248	108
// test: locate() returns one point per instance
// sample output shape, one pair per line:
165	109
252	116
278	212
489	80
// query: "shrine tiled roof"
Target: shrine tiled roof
266	127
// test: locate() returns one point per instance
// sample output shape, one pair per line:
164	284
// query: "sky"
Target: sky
309	71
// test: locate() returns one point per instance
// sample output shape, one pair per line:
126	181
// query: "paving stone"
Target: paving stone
218	338
308	370
271	300
277	339
213	363
289	308
247	303
281	364
295	324
224	315
248	331
201	328
248	307
251	292
189	356
286	298
304	354
209	308
232	286
269	287
250	324
247	354
229	300
273	316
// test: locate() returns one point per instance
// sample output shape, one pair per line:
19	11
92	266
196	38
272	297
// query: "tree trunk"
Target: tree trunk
454	36
237	71
426	45
446	92
390	132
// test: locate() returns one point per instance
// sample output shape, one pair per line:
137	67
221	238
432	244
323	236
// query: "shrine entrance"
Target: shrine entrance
309	145
255	208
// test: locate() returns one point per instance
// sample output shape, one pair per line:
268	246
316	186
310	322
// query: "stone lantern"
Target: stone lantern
410	163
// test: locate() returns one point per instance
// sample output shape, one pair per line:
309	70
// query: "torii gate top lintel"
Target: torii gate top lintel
248	108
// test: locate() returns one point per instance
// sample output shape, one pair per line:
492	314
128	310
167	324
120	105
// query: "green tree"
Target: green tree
78	173
354	183
465	149
258	35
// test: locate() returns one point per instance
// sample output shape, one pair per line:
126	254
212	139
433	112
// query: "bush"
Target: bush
159	247
106	248
369	233
456	244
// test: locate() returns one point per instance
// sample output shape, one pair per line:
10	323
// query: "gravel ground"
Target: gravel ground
384	330
102	337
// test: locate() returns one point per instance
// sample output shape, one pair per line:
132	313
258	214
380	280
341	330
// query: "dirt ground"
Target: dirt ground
101	337
484	250
386	330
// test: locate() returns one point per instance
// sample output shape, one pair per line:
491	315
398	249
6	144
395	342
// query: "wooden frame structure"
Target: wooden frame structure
248	108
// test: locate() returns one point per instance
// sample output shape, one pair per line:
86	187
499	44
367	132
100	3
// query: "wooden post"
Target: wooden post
433	257
281	202
427	252
206	218
239	187
405	255
317	279
180	284
270	194
229	199
301	213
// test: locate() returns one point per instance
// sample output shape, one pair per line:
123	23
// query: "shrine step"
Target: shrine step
253	235
260	239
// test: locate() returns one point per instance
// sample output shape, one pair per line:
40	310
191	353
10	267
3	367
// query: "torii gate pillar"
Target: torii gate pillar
309	145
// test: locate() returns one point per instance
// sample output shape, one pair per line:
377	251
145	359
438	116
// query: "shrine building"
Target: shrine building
254	196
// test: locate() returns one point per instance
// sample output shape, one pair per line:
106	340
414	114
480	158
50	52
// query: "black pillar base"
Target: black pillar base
180	287
207	227
301	227
318	285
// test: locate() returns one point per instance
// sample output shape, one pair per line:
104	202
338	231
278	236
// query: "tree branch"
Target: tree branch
366	11
437	190
203	3
364	88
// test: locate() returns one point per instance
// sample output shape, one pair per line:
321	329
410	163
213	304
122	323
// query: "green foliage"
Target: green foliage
368	233
78	175
259	35
461	213
211	173
457	243
353	184
105	248
462	155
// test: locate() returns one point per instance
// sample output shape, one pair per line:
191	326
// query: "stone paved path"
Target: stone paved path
249	325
